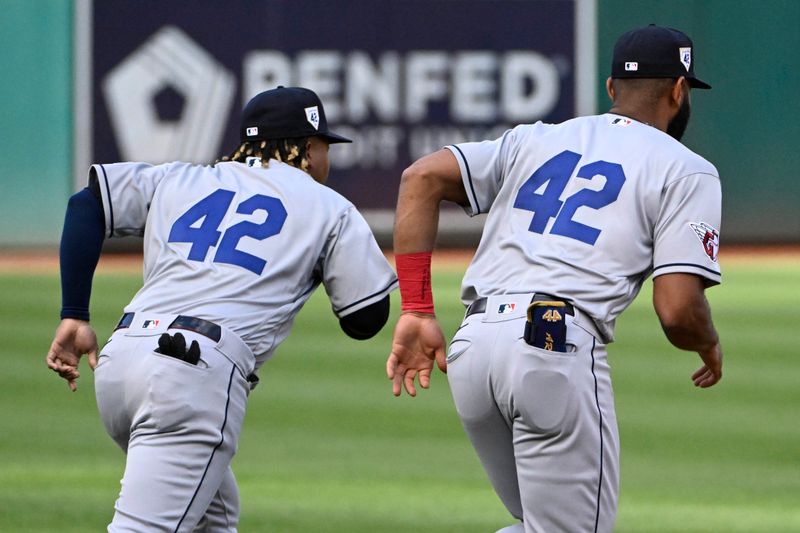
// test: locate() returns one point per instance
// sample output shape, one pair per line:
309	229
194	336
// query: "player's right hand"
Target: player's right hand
711	372
417	342
72	339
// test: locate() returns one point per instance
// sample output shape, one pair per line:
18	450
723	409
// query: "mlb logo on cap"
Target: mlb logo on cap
286	113
150	324
655	52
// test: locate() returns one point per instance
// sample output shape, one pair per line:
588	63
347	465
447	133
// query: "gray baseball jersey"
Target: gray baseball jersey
239	245
587	210
584	211
242	246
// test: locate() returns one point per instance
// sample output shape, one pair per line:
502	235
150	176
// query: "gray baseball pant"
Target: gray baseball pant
179	425
542	422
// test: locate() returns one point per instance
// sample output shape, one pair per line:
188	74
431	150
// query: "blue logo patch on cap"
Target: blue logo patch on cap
686	57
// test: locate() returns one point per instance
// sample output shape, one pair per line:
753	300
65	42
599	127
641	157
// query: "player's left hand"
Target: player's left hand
711	372
417	342
73	338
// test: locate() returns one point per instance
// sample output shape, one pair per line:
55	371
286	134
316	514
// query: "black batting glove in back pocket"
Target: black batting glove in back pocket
175	346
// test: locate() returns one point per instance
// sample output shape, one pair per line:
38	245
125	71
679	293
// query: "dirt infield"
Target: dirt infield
46	261
39	262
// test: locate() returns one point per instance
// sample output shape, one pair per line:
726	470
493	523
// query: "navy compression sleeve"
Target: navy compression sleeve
366	322
81	243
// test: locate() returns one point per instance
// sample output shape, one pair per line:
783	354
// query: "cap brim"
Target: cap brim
694	83
332	138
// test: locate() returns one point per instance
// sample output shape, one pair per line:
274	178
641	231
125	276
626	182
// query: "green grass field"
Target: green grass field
326	447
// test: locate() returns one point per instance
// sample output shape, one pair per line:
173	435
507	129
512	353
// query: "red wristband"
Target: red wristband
414	274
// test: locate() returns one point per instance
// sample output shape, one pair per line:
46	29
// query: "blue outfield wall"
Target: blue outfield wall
747	125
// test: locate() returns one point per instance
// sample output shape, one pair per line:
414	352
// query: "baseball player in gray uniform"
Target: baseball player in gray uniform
579	215
232	251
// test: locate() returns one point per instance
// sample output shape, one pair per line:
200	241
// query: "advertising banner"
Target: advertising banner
160	81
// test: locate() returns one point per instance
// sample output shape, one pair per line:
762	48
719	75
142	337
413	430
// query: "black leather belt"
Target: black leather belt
189	323
479	305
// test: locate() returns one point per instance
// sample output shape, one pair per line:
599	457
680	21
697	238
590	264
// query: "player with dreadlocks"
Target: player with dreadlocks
290	151
231	253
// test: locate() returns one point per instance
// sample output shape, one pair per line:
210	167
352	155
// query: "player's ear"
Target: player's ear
677	92
610	89
308	150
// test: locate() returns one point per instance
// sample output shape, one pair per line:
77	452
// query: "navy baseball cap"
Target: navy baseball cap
286	113
655	52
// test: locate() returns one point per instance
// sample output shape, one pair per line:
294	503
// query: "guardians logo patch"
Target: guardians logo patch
709	237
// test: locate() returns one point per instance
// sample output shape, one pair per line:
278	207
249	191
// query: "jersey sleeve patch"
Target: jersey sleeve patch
709	238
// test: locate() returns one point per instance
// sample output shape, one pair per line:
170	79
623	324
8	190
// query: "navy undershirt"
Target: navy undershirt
366	322
81	243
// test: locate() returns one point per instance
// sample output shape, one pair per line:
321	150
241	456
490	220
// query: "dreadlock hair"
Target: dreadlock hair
290	151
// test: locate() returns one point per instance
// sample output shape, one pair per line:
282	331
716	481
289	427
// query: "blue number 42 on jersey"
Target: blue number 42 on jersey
554	175
211	210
